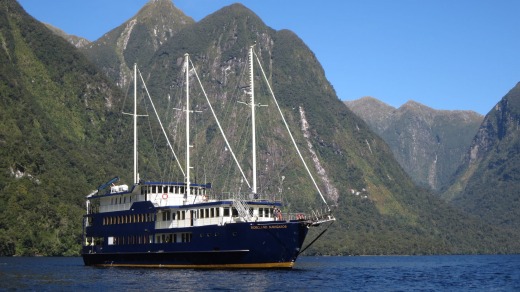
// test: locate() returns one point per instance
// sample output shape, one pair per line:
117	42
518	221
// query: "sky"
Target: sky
445	54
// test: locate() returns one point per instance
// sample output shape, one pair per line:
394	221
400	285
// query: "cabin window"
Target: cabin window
218	212
166	216
226	211
207	213
234	212
212	213
172	237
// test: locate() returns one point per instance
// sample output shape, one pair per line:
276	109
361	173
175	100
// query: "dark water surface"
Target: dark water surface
381	273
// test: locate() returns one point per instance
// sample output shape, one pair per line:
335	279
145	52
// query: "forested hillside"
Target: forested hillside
62	134
488	183
56	114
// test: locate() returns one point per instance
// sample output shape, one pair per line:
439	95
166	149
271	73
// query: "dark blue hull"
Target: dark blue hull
236	245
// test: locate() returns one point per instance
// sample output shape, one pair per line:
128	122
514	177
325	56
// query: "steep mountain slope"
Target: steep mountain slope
378	207
488	183
136	40
55	109
429	144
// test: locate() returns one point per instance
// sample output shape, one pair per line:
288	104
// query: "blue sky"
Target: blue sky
454	55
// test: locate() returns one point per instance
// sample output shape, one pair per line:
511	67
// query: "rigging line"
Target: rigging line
162	128
289	131
317	237
218	124
175	121
119	125
231	111
154	139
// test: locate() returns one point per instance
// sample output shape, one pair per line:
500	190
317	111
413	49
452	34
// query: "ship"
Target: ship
169	224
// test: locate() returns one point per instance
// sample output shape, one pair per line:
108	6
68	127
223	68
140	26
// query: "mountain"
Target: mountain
55	113
429	144
379	208
136	40
62	135
76	41
488	182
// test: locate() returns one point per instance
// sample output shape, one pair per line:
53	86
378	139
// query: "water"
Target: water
382	273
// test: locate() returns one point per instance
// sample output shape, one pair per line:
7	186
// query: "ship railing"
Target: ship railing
321	216
248	197
316	217
296	216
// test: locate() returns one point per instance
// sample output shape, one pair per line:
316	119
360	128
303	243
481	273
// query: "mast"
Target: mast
187	60
136	179
252	102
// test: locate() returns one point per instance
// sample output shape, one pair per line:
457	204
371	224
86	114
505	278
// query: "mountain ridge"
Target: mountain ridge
76	41
136	40
429	144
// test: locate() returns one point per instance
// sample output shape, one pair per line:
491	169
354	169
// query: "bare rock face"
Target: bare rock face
429	144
